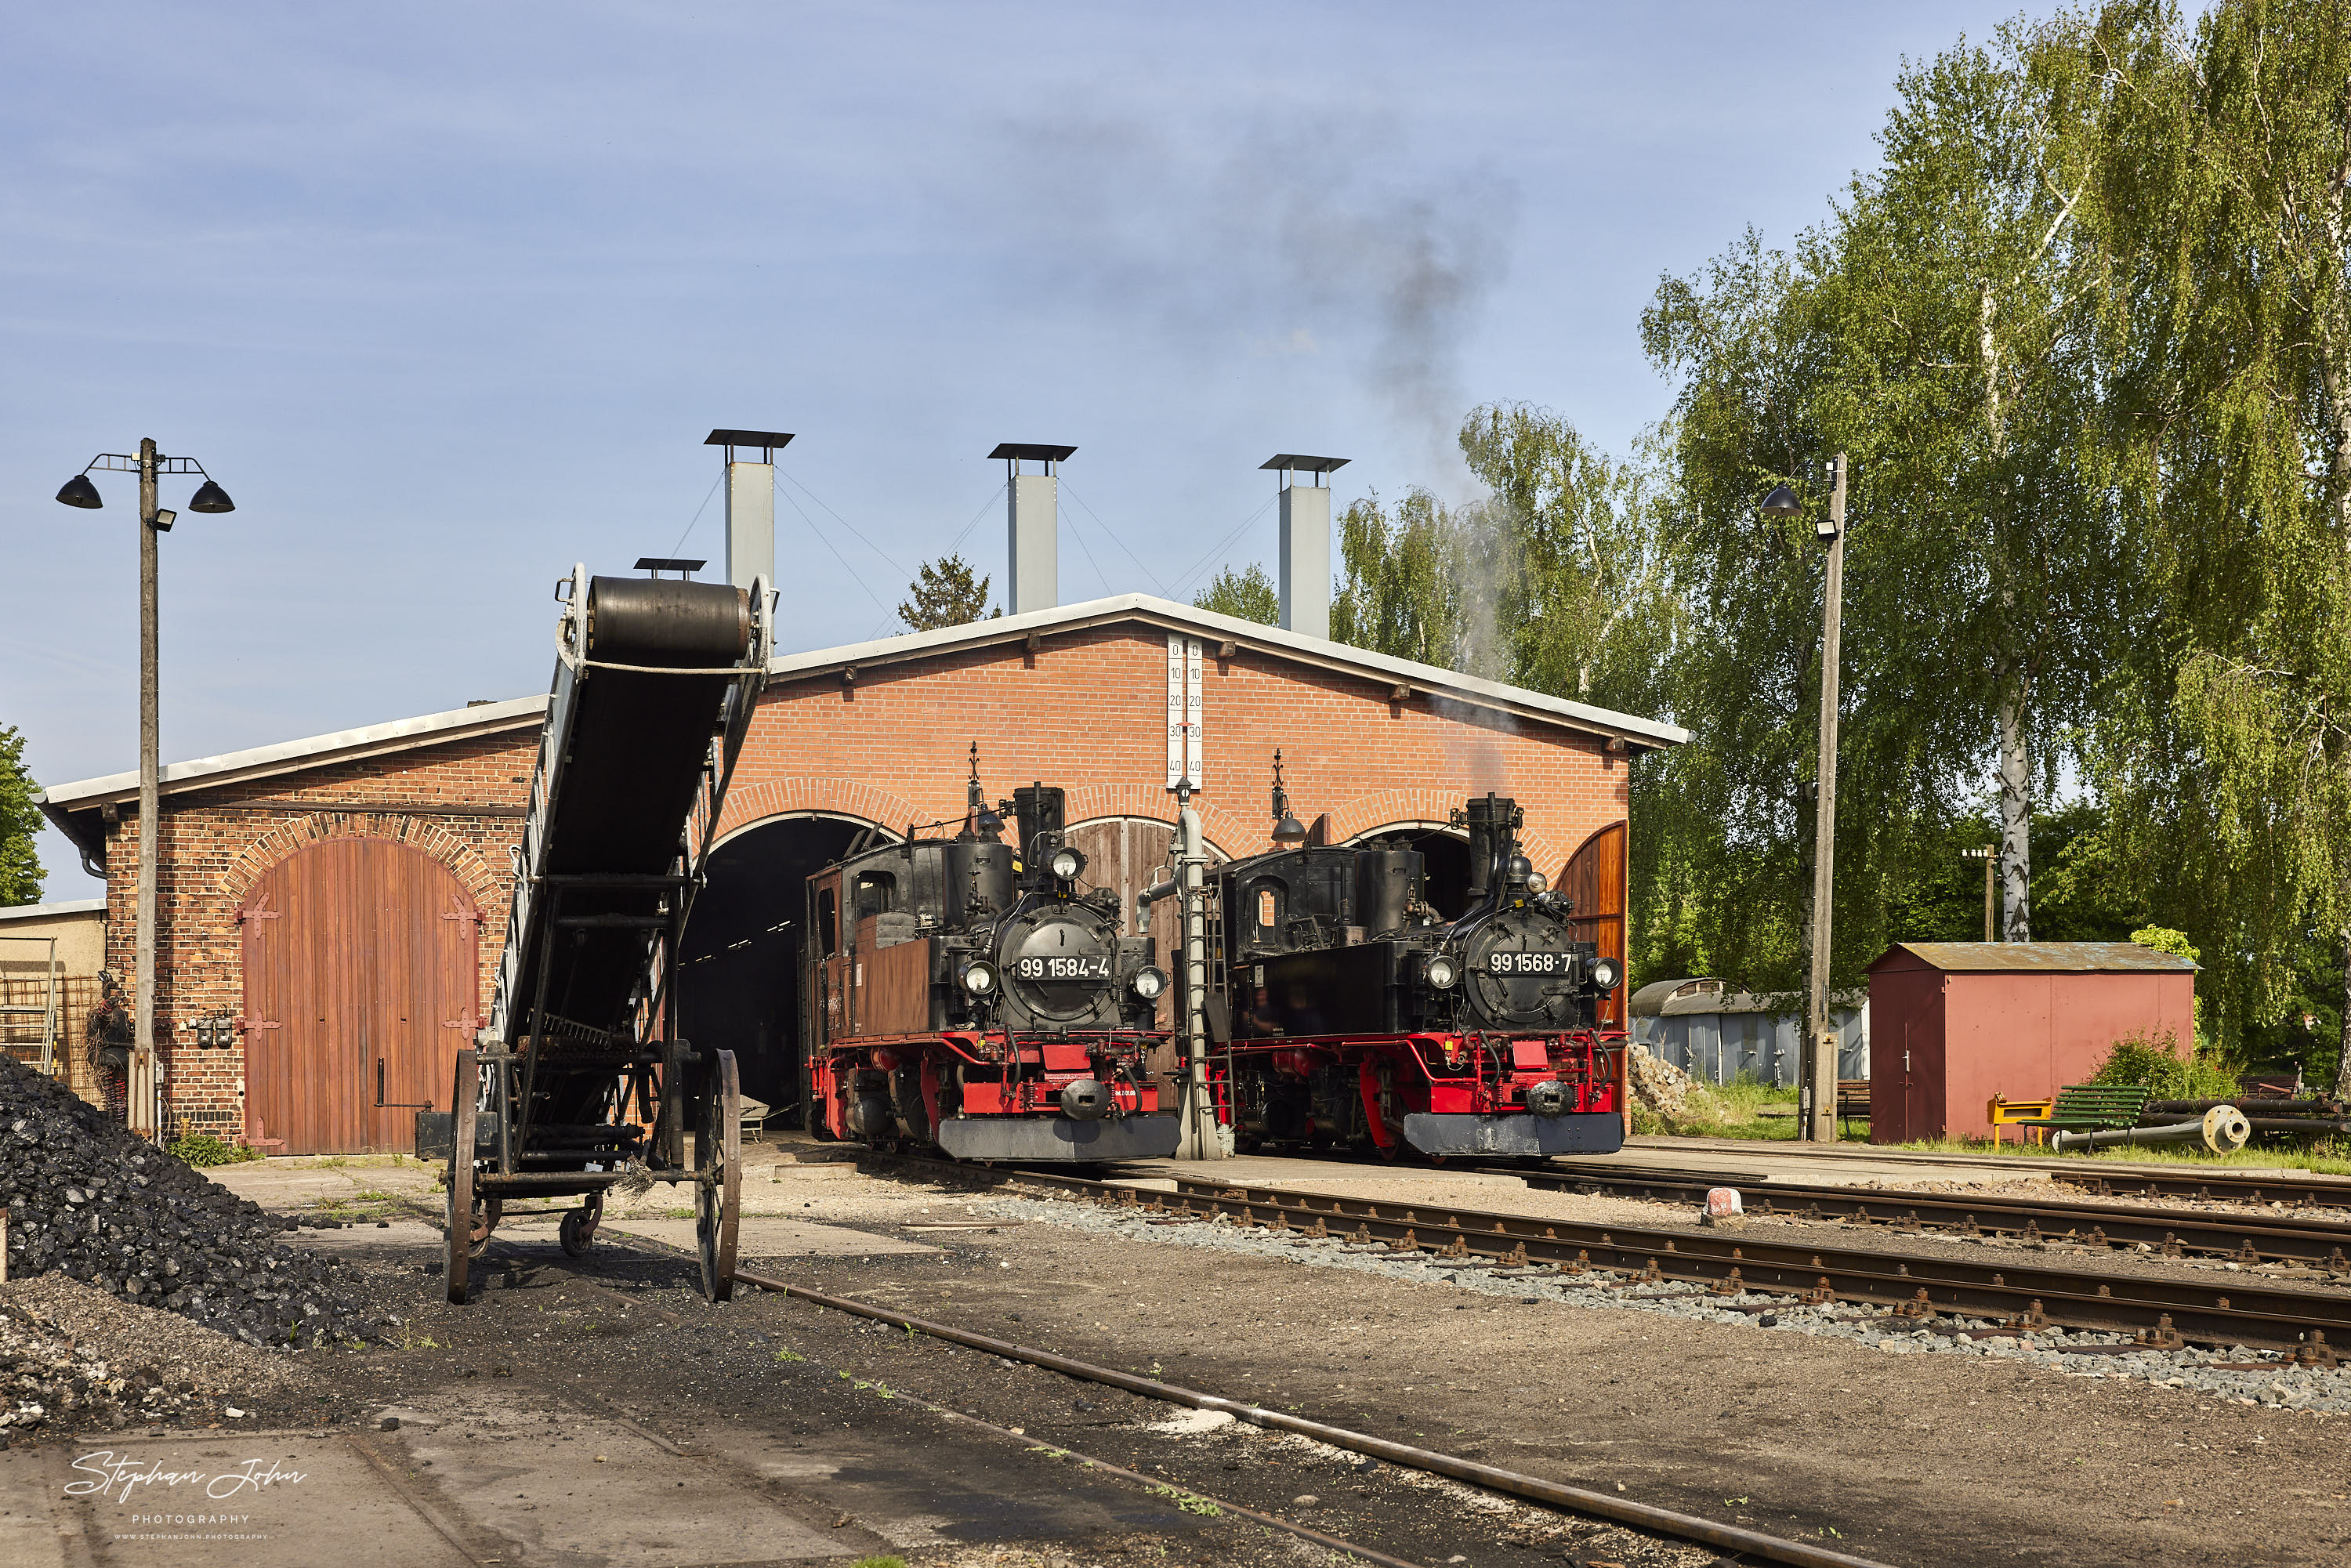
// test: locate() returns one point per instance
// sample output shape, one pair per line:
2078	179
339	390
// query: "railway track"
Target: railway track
1618	1508
2317	1243
2303	1326
2102	1178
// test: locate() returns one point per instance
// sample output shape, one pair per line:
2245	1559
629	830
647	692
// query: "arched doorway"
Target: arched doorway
739	966
1444	860
361	984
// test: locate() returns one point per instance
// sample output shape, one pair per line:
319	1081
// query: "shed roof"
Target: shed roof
2053	958
64	909
63	802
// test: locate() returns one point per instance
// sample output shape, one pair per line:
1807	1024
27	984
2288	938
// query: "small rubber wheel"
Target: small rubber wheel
575	1233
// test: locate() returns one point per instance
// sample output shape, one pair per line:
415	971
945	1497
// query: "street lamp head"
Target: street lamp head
209	498
1783	502
79	491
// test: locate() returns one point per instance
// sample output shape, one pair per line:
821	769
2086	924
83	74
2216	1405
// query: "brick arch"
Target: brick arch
747	804
1433	807
1219	825
482	882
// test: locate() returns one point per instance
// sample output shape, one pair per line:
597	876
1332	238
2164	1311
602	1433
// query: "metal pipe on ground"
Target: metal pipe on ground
1535	1488
2251	1105
2222	1129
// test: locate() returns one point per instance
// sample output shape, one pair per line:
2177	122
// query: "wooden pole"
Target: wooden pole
1820	1119
142	1105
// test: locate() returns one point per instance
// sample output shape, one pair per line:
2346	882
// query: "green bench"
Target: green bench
2094	1107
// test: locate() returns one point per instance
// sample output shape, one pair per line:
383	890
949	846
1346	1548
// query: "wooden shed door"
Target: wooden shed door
1594	880
357	952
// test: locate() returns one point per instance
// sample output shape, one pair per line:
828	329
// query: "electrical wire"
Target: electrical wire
1218	548
952	546
829	545
697	513
844	522
1079	533
1114	538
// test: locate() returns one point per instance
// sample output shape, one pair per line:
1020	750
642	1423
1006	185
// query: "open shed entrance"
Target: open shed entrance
739	966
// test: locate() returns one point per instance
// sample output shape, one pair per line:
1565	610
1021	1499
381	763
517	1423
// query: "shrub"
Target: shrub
2157	1062
203	1149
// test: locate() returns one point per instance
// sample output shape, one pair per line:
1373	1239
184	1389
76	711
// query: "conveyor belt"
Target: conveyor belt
637	746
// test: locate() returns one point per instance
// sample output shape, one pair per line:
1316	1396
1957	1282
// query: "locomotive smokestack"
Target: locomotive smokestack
1492	822
1032	559
750	502
1305	541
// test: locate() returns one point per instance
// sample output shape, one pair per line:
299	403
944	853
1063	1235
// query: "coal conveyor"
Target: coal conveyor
579	1083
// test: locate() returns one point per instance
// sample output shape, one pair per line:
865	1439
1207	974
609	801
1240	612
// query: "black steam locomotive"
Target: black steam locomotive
1353	1015
964	993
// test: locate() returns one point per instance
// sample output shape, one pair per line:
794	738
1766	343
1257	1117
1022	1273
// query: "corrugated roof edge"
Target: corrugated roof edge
2063	957
51	911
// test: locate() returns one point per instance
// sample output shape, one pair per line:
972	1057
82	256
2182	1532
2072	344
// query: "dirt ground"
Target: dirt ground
1913	1459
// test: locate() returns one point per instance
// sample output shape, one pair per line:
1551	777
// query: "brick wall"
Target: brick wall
1086	710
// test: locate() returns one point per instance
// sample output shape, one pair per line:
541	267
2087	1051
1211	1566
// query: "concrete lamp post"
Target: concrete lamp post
1818	1096
145	1107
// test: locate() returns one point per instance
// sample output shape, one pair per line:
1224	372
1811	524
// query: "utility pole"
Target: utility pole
142	1106
144	1109
1821	1075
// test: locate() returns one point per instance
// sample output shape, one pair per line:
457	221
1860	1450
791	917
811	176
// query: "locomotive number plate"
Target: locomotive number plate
1530	962
1094	969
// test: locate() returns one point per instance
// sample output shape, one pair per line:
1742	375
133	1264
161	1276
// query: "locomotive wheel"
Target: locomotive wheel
718	1192
576	1230
461	1174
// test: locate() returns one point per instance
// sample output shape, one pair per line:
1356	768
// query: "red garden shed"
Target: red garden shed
1954	1024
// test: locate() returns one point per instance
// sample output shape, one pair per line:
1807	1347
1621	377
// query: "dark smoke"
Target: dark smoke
1298	236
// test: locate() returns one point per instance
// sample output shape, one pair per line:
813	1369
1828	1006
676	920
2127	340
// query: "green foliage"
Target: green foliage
2163	939
20	866
946	592
2157	1062
201	1149
1248	594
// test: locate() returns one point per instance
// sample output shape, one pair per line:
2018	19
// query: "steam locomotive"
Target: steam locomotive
1352	1015
964	993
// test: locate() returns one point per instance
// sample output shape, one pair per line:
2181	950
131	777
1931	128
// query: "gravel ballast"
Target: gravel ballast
87	1199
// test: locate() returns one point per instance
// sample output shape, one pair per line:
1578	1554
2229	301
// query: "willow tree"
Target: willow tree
2223	205
1939	328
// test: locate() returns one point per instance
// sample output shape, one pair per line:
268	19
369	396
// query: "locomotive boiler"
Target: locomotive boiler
1353	1015
970	994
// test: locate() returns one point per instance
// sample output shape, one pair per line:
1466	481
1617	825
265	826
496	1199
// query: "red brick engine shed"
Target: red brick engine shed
332	908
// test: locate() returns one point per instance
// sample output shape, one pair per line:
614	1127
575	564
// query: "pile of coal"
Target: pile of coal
88	1200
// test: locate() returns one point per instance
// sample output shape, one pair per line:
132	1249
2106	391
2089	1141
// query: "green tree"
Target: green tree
1402	573
1935	328
1248	594
2222	205
20	866
945	592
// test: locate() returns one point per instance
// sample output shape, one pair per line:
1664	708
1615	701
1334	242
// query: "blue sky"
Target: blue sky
446	297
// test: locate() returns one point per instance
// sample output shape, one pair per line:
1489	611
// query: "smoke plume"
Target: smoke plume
1306	235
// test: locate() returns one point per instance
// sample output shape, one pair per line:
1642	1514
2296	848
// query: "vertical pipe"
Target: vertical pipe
1199	1137
1820	1079
142	1107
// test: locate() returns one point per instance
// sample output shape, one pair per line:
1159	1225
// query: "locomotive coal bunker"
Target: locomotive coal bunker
969	995
1354	1013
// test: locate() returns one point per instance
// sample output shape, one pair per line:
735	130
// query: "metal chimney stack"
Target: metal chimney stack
750	504
1305	541
1032	558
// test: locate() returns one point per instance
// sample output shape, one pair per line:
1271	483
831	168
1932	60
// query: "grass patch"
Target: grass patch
2326	1156
879	1563
1742	1108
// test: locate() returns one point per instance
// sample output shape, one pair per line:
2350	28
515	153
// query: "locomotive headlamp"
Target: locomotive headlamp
1537	882
1441	972
1606	973
979	978
1149	982
1067	863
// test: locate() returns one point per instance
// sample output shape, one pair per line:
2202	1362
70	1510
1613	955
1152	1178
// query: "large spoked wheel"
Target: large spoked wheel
718	1171
463	1094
